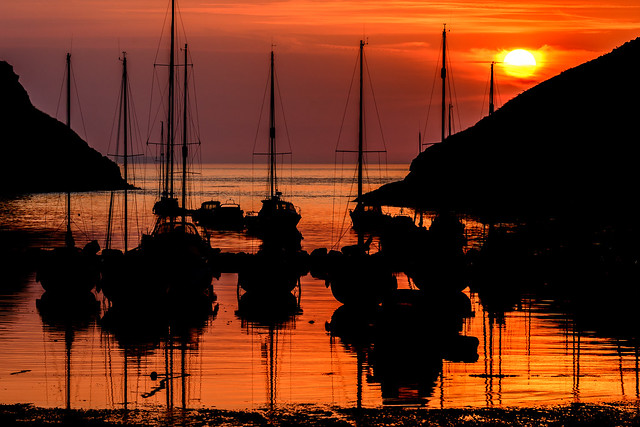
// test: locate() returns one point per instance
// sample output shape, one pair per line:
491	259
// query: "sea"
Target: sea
530	351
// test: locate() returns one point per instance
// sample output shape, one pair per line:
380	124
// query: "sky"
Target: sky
316	47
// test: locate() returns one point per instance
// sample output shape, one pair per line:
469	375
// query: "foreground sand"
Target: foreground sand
618	414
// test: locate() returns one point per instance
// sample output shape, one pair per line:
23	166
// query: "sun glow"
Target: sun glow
520	63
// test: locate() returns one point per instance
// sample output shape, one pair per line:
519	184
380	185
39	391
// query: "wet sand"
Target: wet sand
616	414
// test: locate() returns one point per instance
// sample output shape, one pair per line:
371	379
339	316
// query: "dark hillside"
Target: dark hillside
569	145
39	153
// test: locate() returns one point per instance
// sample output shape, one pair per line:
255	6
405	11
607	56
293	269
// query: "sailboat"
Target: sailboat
175	245
277	217
357	278
432	258
126	274
69	269
173	259
365	217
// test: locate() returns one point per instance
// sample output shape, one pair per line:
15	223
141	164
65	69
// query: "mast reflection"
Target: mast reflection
266	311
150	339
67	314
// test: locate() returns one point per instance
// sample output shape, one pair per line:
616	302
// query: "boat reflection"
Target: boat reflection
271	274
147	337
357	278
67	315
267	315
404	341
433	257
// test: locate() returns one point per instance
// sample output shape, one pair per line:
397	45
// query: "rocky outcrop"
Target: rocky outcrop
570	145
41	154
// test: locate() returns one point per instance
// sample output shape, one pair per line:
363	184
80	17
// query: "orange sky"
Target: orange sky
315	53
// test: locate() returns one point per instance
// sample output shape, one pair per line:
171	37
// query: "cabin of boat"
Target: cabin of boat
171	232
219	216
277	206
368	218
167	207
275	214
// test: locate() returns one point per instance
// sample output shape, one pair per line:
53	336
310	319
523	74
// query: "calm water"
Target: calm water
529	352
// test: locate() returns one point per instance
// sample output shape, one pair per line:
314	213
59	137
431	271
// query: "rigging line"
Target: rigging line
344	114
84	128
496	89
196	121
344	217
484	95
433	88
136	138
164	24
342	230
113	123
284	119
162	108
333	198
286	129
181	23
64	77
452	84
375	103
264	97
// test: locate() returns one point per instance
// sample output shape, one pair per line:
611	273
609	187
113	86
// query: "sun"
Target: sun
520	63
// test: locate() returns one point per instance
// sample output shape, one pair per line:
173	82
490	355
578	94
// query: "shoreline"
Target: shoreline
575	414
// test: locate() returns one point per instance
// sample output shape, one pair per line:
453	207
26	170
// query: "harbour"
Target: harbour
531	350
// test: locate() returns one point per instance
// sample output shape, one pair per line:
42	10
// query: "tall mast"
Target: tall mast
443	75
68	238
491	106
360	143
162	158
360	128
185	151
272	134
125	137
168	192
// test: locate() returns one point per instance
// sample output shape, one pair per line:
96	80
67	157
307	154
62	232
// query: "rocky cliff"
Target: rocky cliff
39	153
570	145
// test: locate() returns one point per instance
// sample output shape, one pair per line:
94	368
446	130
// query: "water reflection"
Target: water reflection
266	312
155	340
403	342
64	315
553	308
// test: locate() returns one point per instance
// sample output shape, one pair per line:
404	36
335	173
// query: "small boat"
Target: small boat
277	216
219	216
68	269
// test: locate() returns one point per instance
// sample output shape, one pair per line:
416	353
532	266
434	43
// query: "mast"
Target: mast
360	129
491	106
162	159
185	150
272	134
68	238
125	137
168	190
360	206
443	75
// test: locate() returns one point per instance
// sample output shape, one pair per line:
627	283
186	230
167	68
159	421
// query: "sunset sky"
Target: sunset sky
316	49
